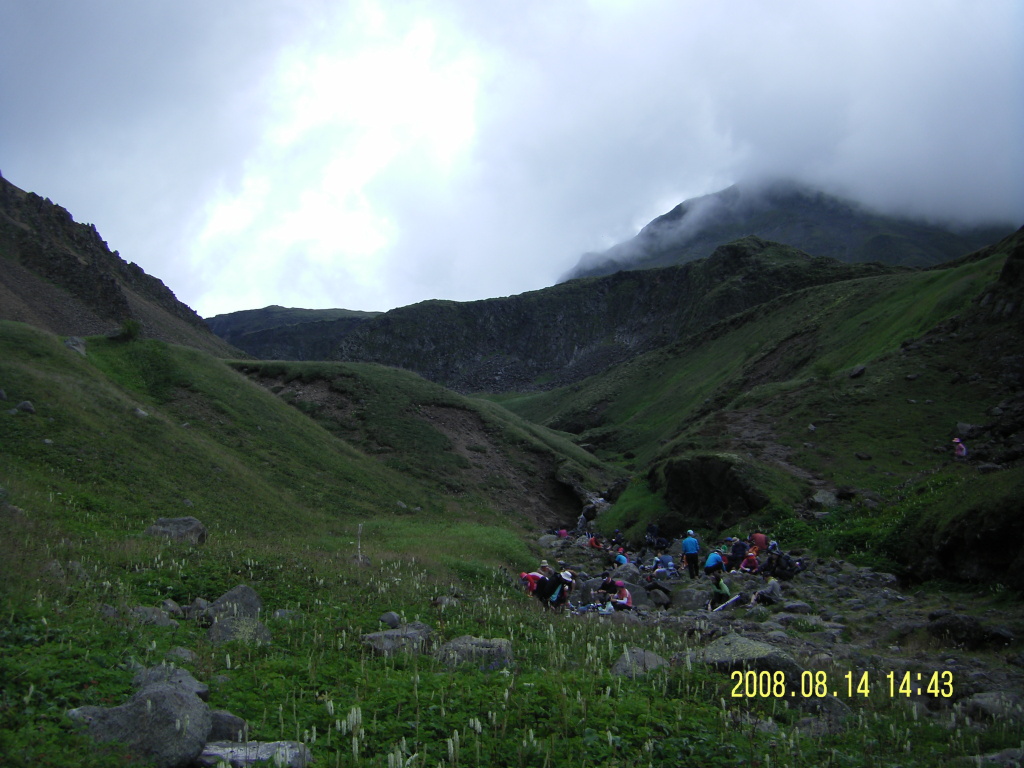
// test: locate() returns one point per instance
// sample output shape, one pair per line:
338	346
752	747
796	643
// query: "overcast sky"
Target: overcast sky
371	154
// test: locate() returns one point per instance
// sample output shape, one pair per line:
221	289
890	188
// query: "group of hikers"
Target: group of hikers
757	554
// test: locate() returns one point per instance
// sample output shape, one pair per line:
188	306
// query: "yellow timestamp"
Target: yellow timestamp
765	684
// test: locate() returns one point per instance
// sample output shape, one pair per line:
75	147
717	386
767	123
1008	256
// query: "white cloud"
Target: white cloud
368	154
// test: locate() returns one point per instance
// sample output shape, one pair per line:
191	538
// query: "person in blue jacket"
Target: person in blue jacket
691	551
714	563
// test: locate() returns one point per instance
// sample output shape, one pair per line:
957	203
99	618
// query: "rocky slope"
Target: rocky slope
61	276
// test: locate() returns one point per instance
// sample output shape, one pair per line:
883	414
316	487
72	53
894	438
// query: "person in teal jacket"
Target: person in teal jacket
714	563
691	551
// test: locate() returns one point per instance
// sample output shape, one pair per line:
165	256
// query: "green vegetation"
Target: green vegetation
298	468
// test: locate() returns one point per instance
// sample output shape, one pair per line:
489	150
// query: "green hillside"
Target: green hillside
767	396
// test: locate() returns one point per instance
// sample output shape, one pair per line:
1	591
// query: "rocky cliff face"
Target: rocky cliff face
562	334
61	276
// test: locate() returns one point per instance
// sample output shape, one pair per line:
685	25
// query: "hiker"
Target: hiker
663	566
562	586
714	563
594	543
622	600
759	540
607	587
719	592
770	594
691	553
530	581
959	450
620	557
750	563
544	569
738	552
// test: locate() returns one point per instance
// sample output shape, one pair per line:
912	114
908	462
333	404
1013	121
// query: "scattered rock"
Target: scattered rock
410	638
76	344
25	406
187	529
240	602
150	616
180	678
735	651
486	653
636	662
164	724
391	619
967	632
286	754
242	629
227	727
857	371
993	705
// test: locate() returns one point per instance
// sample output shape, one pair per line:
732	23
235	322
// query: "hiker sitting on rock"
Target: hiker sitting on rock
561	586
738	552
750	563
607	587
770	594
663	566
719	592
622	600
620	557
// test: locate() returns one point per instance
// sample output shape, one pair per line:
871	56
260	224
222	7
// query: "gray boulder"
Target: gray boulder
485	653
76	344
409	638
227	727
967	632
238	602
164	724
187	529
636	662
180	678
152	616
240	629
286	754
391	619
736	652
996	706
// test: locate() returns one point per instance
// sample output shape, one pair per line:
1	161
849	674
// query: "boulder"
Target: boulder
239	602
152	616
391	619
733	652
180	678
187	529
996	706
164	724
286	754
413	637
636	662
967	632
485	653
76	344
239	629
227	727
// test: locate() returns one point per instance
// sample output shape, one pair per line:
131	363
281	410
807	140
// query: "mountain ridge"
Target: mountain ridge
798	215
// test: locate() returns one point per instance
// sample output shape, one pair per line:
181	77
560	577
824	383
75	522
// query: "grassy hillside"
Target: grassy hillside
768	394
295	469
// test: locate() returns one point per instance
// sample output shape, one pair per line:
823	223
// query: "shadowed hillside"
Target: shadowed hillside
61	276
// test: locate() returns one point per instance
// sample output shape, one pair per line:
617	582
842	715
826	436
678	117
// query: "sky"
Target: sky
376	153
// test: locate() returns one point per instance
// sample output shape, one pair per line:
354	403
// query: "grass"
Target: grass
292	489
